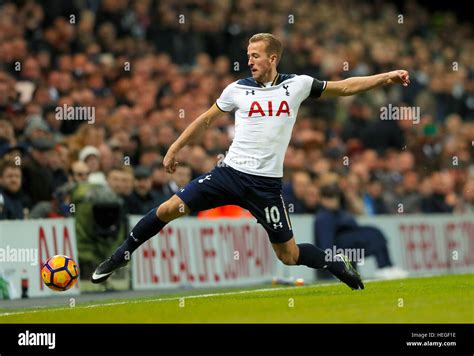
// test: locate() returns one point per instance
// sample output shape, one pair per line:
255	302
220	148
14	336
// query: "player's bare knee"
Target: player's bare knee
163	212
287	258
171	210
166	212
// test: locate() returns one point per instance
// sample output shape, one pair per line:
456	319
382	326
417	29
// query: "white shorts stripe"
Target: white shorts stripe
286	214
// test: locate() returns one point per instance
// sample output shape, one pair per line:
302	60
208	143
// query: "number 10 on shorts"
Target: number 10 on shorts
272	214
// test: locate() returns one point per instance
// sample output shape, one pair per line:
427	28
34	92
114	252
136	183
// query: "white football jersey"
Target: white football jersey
264	120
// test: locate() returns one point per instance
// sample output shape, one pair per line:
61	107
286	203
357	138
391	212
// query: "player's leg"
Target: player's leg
208	191
264	200
287	252
148	226
311	256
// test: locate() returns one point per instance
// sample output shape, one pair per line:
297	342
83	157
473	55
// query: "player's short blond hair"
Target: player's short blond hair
274	45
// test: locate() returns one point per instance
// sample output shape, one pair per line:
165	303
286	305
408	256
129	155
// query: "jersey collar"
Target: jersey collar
274	81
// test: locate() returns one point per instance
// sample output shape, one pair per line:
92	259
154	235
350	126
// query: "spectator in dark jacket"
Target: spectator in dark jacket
37	175
407	197
383	134
143	198
294	192
337	229
373	201
358	121
59	205
13	202
443	198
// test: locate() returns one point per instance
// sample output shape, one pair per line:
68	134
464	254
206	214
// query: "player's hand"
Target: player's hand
169	162
399	77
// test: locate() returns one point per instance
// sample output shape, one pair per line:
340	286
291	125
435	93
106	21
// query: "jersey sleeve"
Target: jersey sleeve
226	102
312	87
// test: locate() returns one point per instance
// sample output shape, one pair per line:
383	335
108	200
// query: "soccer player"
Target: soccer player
266	107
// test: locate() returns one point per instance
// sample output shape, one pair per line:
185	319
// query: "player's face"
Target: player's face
259	61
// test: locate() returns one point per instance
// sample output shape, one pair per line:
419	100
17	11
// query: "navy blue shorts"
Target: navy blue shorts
259	195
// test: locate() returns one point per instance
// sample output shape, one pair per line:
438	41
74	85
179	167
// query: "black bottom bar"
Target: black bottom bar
134	339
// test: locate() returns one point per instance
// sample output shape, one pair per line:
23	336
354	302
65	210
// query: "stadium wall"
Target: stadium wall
204	253
230	252
223	252
421	244
25	246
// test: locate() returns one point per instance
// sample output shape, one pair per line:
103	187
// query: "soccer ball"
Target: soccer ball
60	273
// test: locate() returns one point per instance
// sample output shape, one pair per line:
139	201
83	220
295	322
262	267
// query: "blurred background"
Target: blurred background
148	68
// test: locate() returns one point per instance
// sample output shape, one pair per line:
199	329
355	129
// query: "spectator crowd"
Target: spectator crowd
143	70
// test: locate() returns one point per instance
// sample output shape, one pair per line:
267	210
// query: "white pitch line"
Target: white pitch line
209	295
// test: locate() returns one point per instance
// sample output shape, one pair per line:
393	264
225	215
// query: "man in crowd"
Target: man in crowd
13	202
143	198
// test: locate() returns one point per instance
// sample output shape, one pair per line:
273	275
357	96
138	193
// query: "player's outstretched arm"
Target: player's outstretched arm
193	131
354	85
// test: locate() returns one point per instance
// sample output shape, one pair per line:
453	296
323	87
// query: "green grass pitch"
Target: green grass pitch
440	299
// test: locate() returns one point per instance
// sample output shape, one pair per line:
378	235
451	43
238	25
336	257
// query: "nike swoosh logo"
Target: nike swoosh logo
98	276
